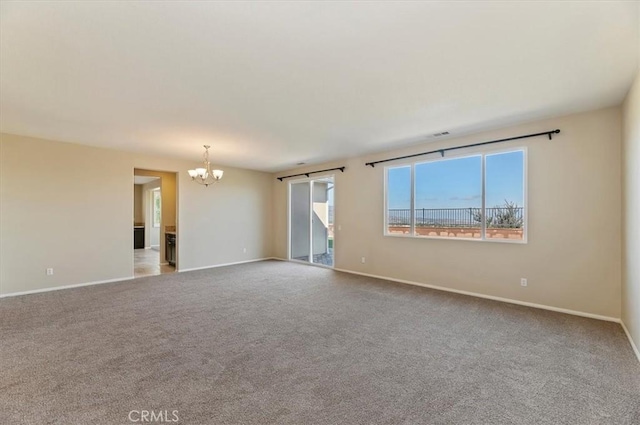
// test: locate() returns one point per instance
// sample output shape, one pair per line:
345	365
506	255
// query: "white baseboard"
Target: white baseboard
226	264
489	297
633	344
58	288
479	295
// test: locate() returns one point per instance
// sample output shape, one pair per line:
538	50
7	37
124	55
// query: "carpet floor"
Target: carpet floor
277	342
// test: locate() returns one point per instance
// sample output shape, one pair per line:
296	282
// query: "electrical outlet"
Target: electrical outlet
363	260
244	250
49	272
339	227
523	282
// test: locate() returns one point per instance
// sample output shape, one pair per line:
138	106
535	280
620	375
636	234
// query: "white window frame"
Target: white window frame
483	154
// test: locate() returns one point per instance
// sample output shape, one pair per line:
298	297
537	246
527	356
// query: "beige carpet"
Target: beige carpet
277	342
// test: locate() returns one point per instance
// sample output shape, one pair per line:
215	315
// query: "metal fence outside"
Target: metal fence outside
497	217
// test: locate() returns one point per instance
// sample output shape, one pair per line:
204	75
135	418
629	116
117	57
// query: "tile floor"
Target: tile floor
325	258
147	263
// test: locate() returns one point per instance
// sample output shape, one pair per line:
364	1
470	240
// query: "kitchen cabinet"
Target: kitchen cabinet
138	237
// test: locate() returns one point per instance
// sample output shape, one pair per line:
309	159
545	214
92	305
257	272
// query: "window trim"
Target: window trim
483	154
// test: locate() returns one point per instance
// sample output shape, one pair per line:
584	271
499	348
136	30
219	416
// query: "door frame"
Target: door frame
157	172
310	181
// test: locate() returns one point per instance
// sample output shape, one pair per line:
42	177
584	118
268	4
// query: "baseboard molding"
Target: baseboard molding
226	264
58	288
489	297
633	344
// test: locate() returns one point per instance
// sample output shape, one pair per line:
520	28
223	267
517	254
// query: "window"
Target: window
448	197
504	195
479	197
399	200
157	207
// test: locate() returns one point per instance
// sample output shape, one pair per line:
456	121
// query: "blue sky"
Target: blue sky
456	183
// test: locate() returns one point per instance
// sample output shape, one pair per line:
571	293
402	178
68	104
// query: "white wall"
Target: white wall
573	257
74	214
631	212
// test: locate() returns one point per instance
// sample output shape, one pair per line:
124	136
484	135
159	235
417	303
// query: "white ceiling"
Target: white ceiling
143	179
270	84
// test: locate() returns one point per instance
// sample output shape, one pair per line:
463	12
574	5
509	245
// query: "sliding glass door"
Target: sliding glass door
311	233
299	227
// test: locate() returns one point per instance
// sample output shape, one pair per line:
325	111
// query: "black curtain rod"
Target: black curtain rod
311	172
442	151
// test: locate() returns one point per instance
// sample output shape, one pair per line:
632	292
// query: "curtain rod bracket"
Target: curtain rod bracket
442	153
552	132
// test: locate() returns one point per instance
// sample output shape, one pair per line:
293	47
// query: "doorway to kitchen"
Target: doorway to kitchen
311	221
155	212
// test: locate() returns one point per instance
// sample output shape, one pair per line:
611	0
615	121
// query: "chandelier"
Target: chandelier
205	175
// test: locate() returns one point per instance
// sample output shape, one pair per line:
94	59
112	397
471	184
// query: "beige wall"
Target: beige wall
74	214
138	212
573	257
572	260
631	212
